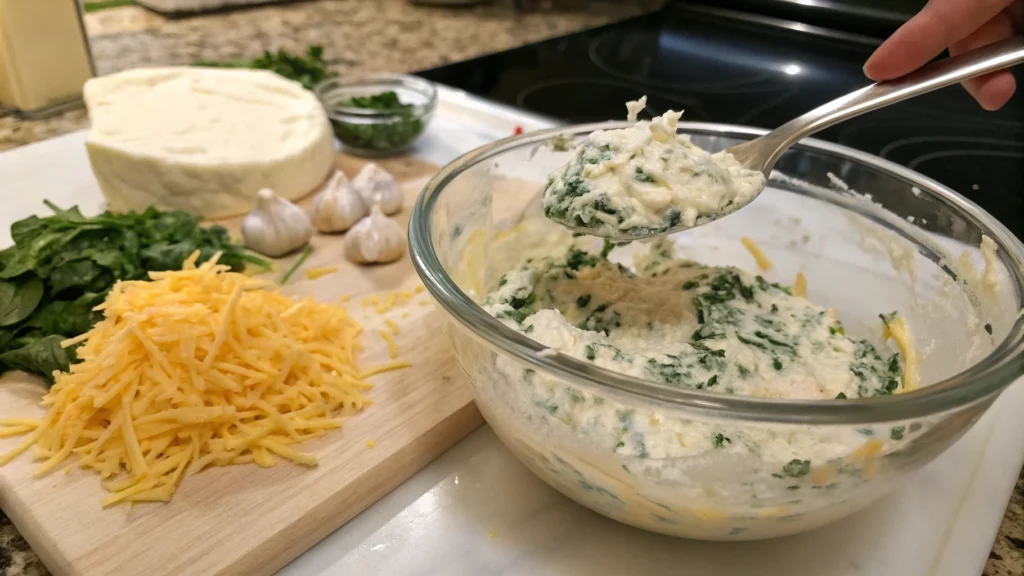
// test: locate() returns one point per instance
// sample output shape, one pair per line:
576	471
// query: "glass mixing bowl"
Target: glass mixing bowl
904	243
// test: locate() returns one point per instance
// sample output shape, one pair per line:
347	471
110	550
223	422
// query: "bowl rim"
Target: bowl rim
989	376
326	88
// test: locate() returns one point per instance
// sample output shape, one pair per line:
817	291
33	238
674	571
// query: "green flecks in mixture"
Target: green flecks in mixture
766	286
615	351
875	376
720	440
563	189
607	248
897	432
796	468
890	317
988	328
690	326
602	319
518	302
578	259
639	447
691	284
521	303
642	176
548	406
575	396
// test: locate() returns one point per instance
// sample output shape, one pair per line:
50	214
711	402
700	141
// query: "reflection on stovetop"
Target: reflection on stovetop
721	69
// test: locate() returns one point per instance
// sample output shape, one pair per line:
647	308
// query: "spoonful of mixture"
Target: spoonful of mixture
647	180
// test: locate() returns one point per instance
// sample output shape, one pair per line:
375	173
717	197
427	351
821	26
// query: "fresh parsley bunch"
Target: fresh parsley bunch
308	71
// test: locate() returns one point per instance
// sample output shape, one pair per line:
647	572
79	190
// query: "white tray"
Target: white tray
477	511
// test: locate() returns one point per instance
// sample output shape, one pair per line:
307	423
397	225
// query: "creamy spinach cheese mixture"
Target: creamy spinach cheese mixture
684	324
646	179
691	326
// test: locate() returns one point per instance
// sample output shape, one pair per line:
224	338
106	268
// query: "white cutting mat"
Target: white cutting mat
476	510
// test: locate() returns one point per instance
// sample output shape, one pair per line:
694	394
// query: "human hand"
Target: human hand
960	26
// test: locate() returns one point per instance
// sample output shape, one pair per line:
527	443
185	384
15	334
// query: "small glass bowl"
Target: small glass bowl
375	131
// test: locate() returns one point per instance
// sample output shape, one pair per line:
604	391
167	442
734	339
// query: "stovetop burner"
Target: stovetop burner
589	99
650	59
727	68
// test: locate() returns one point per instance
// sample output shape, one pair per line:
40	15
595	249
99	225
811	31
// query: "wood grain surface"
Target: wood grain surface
246	520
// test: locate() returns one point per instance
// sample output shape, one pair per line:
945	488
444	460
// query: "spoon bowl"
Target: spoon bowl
762	153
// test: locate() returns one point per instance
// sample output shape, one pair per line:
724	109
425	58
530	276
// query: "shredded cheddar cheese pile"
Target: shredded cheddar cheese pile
194	368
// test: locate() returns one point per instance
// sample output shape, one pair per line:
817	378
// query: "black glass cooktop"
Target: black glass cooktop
739	68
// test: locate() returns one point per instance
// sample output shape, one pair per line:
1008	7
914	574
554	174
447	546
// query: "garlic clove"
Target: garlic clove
337	207
376	239
275	226
378	187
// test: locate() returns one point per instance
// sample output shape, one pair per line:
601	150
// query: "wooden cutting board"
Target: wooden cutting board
246	520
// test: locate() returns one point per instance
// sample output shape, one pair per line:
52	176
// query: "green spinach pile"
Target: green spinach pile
62	266
402	128
308	71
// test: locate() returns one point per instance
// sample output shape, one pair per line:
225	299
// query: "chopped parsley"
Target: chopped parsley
391	133
797	468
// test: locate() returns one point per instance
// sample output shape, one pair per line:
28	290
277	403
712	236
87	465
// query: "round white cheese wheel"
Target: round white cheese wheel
204	140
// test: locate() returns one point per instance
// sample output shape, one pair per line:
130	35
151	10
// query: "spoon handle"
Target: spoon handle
930	77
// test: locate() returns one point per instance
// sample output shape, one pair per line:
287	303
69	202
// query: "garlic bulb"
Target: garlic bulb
337	206
378	187
275	226
375	239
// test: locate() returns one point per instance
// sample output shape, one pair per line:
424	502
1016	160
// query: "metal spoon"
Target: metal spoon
761	153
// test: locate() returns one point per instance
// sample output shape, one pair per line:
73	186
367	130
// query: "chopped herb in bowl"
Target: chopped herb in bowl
378	115
403	127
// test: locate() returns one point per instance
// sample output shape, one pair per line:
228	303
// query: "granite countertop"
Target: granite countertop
357	36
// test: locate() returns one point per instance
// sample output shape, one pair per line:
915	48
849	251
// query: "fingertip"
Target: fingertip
887	62
992	91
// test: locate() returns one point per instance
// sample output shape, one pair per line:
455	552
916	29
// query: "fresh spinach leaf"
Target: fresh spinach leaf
19	298
41	356
61	266
67	317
